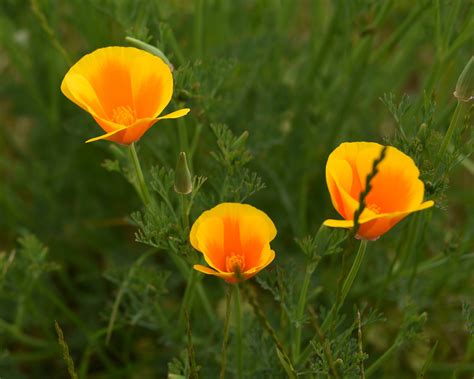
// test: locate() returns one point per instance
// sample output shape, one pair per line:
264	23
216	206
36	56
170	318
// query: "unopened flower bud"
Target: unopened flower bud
465	85
183	183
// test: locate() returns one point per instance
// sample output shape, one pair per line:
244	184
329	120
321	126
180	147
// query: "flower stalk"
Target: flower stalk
464	93
228	300
139	177
346	287
238	331
301	307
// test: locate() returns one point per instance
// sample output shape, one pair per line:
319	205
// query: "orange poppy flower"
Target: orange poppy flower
123	88
396	189
235	241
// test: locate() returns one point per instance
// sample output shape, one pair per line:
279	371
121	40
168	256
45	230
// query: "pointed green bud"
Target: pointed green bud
150	49
183	182
465	86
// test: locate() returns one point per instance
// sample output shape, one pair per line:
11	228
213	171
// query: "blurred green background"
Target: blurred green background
301	77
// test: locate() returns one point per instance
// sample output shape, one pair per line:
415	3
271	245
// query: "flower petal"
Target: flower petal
79	90
227	276
128	134
397	175
374	226
232	228
108	136
207	236
267	257
152	84
339	181
176	114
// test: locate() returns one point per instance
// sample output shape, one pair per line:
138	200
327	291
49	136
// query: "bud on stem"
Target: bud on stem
465	85
183	183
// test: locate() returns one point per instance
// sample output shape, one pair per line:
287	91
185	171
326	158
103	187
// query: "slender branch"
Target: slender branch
266	325
324	342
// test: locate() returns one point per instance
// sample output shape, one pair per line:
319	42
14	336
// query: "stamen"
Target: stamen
235	263
123	115
374	208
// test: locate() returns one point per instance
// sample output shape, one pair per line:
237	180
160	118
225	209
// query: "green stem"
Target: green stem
139	178
121	292
354	270
301	307
188	296
184	212
228	299
238	331
456	121
184	270
145	196
347	284
198	28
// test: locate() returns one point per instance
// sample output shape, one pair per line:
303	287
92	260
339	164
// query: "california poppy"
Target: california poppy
123	88
396	190
235	241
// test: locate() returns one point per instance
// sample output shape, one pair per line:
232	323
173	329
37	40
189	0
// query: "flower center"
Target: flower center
123	115
235	263
374	208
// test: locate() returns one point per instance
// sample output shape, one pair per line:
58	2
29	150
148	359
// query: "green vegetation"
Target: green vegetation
96	283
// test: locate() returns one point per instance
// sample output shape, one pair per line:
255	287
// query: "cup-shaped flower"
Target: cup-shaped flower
235	241
396	189
123	88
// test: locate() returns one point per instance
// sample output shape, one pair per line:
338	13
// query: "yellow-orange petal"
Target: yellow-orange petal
229	277
268	255
232	227
80	91
397	186
123	76
232	231
132	133
377	225
129	134
339	177
176	114
152	84
124	89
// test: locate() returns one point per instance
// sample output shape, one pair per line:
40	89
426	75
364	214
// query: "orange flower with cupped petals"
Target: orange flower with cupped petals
396	189
124	89
235	241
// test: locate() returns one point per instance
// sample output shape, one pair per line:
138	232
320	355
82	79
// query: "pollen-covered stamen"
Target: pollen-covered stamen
235	263
374	208
123	115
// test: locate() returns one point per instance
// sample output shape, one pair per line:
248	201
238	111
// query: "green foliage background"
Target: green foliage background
300	77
